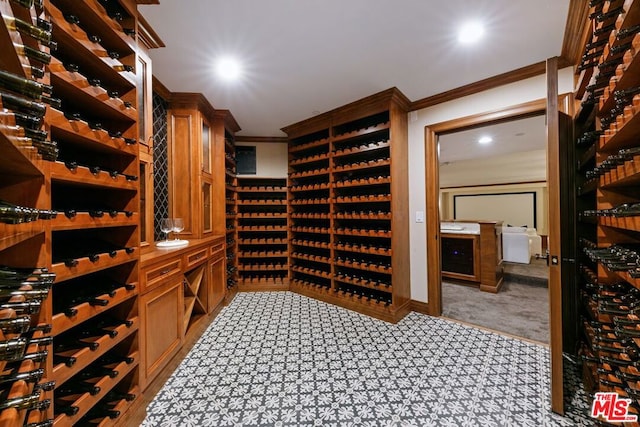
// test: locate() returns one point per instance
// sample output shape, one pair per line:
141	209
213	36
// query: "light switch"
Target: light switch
419	216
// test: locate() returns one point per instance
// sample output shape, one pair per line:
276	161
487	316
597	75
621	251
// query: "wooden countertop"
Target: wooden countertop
154	253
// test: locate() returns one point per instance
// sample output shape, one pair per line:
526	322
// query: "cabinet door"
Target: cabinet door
207	206
217	284
184	194
161	329
206	148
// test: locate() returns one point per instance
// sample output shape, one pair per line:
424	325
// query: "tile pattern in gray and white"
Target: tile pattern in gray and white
281	359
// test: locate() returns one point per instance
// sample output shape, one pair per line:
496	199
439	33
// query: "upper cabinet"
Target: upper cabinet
197	134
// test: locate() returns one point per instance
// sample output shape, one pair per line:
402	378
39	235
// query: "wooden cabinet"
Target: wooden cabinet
217	289
607	127
348	198
162	328
179	288
197	135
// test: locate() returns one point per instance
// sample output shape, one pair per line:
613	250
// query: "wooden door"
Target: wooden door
561	230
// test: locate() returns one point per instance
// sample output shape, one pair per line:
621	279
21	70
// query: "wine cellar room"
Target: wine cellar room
237	213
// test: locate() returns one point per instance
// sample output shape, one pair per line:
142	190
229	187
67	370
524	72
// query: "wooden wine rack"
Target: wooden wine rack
347	190
262	231
231	213
102	141
610	131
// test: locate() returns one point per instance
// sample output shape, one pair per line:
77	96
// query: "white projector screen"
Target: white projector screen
516	209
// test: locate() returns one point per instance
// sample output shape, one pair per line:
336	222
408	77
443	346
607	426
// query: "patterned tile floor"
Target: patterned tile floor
281	359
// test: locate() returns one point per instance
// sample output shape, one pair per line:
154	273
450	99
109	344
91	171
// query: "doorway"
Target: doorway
495	172
434	273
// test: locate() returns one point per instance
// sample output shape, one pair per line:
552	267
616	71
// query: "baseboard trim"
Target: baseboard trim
420	307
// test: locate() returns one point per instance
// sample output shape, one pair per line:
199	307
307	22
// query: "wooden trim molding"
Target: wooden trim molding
493	185
526	109
160	89
147	35
229	121
262	139
378	100
513	76
576	32
192	100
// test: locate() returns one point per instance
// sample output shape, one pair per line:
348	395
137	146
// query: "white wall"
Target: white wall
271	159
501	97
509	168
493	211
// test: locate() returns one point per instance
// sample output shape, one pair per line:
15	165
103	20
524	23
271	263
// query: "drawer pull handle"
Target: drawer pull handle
198	256
163	272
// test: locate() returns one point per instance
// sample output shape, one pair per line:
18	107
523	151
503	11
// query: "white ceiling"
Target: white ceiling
310	56
509	137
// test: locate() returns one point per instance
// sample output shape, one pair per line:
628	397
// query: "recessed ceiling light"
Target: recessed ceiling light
470	32
228	68
485	140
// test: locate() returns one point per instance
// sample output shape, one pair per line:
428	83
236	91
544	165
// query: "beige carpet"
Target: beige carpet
518	309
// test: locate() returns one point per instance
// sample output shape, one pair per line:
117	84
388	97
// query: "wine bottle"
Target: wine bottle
71	19
110	359
12	214
114	395
31	53
29	377
66	409
17	325
69	361
27	307
48	386
36	72
41	32
47	423
27	402
98	371
27	121
30	294
13	349
76	345
628	32
609	14
37	357
53	102
123	67
77	387
589	56
13	102
625	94
33	284
24	273
101	411
42	341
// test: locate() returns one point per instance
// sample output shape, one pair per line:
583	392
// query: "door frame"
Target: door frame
432	183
